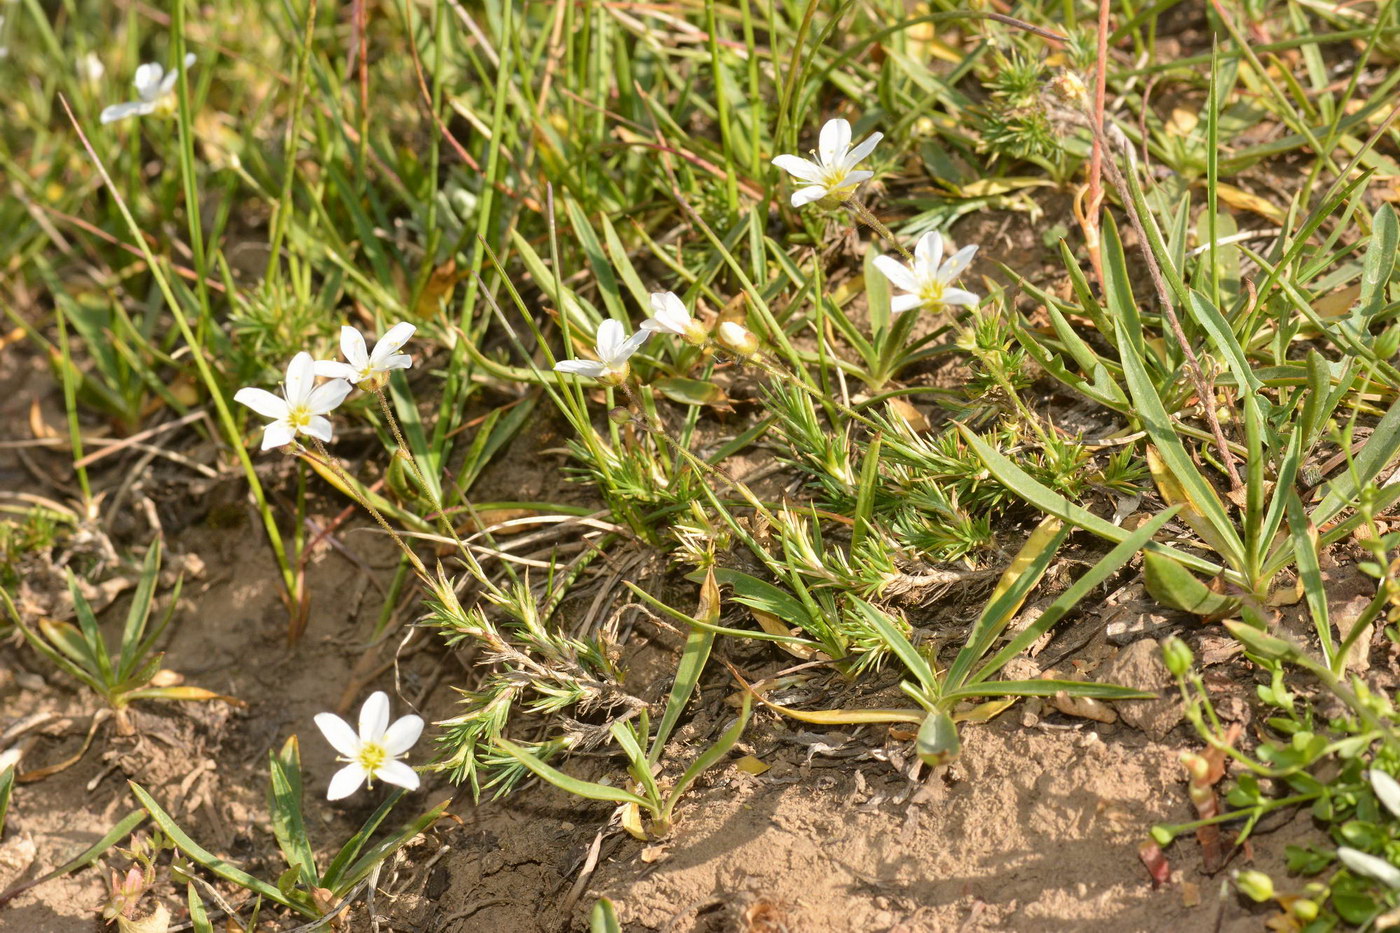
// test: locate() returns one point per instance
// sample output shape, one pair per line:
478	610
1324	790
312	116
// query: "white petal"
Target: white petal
189	59
835	141
580	368
396	772
397	361
277	434
346	781
147	80
808	195
327	396
928	253
1387	789
374	717
338	732
854	157
168	84
402	734
954	297
262	401
627	348
901	303
609	337
319	427
852	179
897	272
956	263
666	306
334	369
654	325
392	339
352	347
122	111
799	168
1370	866
301	379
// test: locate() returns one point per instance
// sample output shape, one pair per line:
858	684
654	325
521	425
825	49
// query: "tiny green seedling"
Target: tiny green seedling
119	678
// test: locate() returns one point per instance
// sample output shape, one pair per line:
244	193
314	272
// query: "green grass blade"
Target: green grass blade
206	859
284	795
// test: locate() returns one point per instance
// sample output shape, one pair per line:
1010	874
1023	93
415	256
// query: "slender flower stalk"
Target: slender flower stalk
155	89
830	175
374	752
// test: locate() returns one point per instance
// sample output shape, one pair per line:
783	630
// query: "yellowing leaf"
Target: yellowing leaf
1243	200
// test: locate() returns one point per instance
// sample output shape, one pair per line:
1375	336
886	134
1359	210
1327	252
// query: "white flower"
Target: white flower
153	85
929	279
669	316
614	349
1387	790
375	752
831	174
304	408
1370	866
364	366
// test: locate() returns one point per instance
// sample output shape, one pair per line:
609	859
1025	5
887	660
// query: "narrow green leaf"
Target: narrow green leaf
902	647
206	859
284	796
1173	585
1109	564
709	756
1024	485
693	660
1047	688
1011	592
564	782
199	916
603	918
348	852
134	630
1378	265
116	834
365	864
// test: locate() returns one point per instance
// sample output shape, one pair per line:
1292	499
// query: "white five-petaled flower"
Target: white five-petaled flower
1371	866
614	349
374	753
929	279
153	85
364	368
832	173
304	408
670	316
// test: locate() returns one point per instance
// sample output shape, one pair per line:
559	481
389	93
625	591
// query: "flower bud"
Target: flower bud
1255	885
737	339
1176	656
620	415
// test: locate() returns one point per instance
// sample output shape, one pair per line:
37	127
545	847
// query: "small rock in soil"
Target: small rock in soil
1139	666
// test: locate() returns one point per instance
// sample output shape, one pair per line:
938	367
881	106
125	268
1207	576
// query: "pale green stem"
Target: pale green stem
368	506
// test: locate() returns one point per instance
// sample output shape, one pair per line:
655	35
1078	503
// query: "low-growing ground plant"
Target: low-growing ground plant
732	282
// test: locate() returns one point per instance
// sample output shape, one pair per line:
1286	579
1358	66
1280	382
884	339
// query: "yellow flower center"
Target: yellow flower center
931	293
834	177
298	418
371	757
